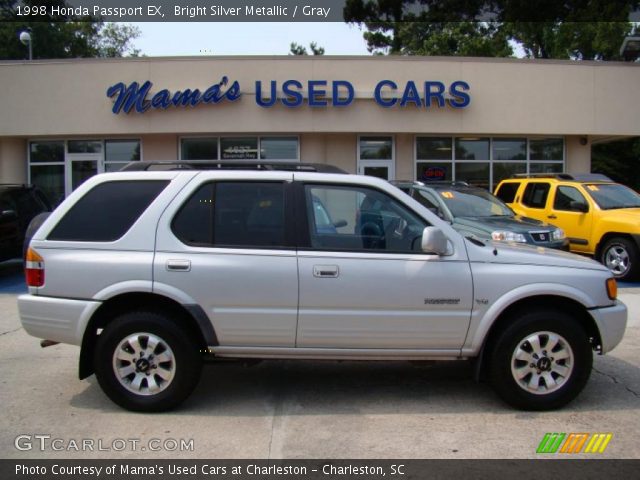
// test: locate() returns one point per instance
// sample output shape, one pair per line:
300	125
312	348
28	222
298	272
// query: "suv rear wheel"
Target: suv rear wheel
541	361
620	255
145	362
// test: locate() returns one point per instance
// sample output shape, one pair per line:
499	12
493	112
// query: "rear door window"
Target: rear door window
107	212
535	195
233	214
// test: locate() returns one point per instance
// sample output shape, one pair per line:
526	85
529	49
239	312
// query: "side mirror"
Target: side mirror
340	224
434	241
579	206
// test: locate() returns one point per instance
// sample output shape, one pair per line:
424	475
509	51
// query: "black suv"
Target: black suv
19	204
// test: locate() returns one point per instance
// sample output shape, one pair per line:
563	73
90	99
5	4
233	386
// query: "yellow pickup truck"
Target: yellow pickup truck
600	217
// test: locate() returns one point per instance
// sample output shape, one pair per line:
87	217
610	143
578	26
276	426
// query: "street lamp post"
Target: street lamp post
25	38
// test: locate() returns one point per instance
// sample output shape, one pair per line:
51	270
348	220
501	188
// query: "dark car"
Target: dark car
477	213
19	204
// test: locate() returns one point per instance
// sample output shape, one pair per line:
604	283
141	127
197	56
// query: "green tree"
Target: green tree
544	28
297	49
470	39
56	37
619	160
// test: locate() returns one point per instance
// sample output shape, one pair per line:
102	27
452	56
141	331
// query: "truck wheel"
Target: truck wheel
542	361
145	362
620	255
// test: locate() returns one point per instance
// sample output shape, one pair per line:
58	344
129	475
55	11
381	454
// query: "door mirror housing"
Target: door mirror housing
434	241
579	207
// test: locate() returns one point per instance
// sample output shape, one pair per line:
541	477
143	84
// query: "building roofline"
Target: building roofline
323	58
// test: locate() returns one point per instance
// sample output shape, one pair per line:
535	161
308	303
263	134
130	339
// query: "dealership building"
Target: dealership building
427	118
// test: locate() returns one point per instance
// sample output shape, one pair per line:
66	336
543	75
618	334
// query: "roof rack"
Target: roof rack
451	183
578	177
230	165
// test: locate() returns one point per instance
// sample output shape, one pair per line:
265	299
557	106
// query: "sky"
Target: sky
256	38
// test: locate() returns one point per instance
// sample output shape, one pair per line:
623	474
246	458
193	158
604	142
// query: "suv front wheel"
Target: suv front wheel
145	362
541	361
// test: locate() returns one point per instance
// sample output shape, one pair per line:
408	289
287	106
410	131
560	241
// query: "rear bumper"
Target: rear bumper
58	319
612	322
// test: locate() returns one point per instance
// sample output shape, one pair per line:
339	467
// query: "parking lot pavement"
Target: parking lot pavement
305	410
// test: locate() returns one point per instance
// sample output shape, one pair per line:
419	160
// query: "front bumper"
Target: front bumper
612	322
59	319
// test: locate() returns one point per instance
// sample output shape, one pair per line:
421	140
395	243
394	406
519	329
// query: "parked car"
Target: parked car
151	271
600	217
19	204
475	212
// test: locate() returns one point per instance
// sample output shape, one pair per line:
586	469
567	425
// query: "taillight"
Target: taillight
34	268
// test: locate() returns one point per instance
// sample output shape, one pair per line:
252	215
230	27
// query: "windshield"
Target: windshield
613	195
474	203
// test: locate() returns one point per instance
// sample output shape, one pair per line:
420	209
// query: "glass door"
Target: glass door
377	168
376	156
85	158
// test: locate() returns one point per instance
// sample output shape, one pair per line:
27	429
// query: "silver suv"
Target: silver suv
151	271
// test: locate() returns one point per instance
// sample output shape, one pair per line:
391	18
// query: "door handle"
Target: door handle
552	217
178	265
326	271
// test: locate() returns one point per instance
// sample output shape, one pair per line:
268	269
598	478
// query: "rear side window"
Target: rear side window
233	214
107	211
507	192
535	195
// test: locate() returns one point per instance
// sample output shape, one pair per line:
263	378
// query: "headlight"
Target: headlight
506	236
558	234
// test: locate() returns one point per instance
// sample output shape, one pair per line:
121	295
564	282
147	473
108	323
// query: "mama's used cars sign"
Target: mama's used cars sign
290	93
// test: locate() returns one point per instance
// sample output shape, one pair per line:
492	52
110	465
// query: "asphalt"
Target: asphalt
279	409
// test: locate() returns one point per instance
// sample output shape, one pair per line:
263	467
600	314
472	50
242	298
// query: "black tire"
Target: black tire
504	367
620	256
183	365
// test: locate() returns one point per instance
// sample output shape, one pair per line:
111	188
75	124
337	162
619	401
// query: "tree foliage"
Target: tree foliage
53	37
619	160
297	49
582	30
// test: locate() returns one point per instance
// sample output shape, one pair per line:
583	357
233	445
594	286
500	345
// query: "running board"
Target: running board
335	353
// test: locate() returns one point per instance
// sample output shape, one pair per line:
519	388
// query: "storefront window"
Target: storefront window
472	148
60	166
433	148
546	168
46	152
502	170
509	149
84	146
199	149
476	174
434	171
376	148
485	161
120	152
546	149
239	148
50	179
279	148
